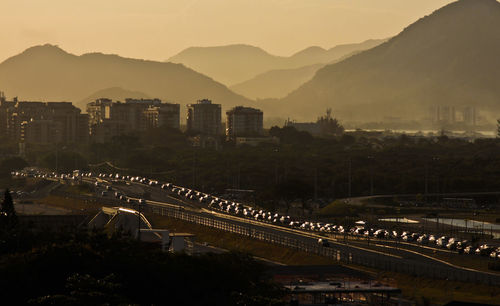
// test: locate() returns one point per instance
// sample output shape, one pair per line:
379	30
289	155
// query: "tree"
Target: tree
8	212
498	128
10	164
329	125
64	161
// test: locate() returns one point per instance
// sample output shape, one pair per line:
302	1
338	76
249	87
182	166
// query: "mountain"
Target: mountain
114	93
276	83
49	73
228	64
235	64
313	55
447	58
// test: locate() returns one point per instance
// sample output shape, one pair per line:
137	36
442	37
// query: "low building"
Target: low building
255	141
312	128
134	223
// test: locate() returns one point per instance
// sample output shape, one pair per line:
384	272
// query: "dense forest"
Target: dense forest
299	167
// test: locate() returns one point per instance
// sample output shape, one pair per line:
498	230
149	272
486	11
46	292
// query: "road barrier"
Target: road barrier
345	254
341	253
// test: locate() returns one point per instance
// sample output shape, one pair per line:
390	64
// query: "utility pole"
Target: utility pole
371	173
349	179
139	223
56	161
239	176
315	184
194	167
426	181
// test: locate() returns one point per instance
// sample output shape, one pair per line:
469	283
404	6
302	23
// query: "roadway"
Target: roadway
399	250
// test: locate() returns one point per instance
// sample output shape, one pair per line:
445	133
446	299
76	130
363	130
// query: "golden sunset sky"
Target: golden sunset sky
158	29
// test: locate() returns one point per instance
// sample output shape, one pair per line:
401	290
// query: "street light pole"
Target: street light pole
426	181
349	179
371	173
56	161
315	183
139	223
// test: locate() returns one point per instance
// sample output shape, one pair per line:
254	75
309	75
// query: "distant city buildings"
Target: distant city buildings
108	119
204	118
445	114
42	122
244	122
326	125
312	128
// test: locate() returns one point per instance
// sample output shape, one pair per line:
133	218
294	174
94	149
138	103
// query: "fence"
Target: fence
340	253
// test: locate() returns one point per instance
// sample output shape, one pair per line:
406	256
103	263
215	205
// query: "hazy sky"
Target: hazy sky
158	29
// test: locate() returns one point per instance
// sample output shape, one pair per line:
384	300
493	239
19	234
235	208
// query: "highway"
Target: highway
408	252
388	251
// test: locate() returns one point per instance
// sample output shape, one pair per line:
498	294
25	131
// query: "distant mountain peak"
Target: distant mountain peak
49	73
310	50
46	49
237	63
232	48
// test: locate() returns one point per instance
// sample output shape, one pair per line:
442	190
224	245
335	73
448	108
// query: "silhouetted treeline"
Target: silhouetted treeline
89	268
300	167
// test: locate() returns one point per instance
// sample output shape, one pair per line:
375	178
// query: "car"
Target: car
323	242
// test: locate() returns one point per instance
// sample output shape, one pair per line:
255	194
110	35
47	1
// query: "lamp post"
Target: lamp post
349	179
436	159
139	222
372	159
426	179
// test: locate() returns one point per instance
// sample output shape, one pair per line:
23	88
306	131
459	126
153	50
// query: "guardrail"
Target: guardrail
339	253
353	256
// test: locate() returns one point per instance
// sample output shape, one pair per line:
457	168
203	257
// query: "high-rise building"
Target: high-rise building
44	123
5	109
99	110
444	114
204	118
108	119
164	115
244	122
470	115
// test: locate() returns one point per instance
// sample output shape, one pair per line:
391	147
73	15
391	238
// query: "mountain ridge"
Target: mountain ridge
47	72
446	58
237	63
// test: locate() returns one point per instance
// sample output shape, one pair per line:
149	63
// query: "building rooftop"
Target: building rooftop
341	286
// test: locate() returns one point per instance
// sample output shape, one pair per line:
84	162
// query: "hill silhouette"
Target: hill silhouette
447	58
276	83
49	73
280	82
234	64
